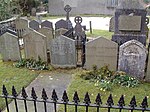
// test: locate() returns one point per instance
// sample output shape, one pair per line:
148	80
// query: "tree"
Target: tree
5	9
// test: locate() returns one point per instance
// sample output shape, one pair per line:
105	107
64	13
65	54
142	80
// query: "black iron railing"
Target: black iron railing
75	103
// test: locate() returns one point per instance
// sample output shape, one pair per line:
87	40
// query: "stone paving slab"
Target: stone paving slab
57	81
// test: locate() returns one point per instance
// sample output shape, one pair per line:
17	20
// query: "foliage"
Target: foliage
105	78
32	64
125	80
5	9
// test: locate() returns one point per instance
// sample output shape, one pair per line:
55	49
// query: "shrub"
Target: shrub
32	64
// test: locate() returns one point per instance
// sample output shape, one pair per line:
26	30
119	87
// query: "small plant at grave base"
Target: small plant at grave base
32	64
105	78
121	78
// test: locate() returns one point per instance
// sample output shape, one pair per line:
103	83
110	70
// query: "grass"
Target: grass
9	76
102	33
82	86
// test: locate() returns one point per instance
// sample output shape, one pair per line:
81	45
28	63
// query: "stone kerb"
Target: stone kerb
101	52
132	59
63	52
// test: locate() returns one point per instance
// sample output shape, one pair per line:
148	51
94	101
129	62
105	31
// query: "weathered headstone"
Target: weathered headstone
147	78
61	24
112	24
9	45
47	24
60	31
101	52
63	52
132	59
33	12
34	25
35	46
67	8
130	21
48	32
21	26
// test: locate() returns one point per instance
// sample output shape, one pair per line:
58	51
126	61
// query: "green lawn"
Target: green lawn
82	86
101	33
9	76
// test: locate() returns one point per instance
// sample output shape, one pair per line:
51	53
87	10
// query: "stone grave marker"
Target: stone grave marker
61	24
48	32
148	68
112	24
33	12
60	31
47	24
21	26
9	45
34	24
132	59
67	9
101	52
35	46
130	21
63	52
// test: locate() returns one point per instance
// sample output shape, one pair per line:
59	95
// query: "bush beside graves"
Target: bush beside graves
32	64
105	78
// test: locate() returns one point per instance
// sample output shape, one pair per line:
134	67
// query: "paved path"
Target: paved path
57	81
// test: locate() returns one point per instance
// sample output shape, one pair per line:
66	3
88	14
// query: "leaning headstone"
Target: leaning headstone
34	25
101	52
132	59
61	24
60	31
21	26
35	46
47	24
9	45
63	52
48	32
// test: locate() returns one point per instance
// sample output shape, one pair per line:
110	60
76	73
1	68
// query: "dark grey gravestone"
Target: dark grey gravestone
9	46
61	24
130	22
79	31
34	24
63	52
47	24
132	58
67	8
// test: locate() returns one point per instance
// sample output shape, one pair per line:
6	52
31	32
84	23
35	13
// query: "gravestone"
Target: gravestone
33	12
9	45
101	52
67	9
60	31
132	59
21	26
63	52
34	24
148	67
47	24
61	24
130	22
112	24
48	32
35	46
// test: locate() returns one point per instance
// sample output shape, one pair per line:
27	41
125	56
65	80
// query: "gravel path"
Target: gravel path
57	81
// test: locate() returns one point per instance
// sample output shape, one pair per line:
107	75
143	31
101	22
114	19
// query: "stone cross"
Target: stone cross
67	9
